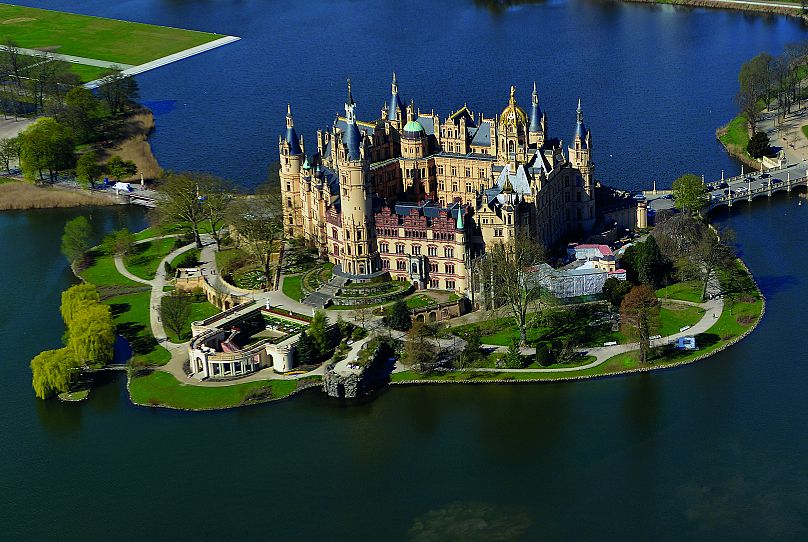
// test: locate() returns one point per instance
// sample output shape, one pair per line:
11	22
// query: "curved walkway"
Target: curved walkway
712	311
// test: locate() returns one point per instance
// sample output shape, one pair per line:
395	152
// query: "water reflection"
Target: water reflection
470	522
58	418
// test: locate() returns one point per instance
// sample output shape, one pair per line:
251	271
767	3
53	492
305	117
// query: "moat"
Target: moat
710	451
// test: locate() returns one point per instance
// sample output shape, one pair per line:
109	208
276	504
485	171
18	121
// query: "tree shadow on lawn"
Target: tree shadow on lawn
119	308
140	343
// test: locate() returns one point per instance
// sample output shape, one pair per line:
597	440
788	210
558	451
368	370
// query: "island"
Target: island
409	249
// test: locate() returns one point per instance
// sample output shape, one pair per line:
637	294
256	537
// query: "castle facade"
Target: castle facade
420	197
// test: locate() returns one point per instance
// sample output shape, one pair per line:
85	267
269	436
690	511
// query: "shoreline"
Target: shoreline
17	194
760	7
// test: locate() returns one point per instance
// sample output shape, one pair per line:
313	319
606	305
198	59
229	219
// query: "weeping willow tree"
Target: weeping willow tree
52	372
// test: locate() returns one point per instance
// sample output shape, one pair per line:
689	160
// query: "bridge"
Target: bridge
744	187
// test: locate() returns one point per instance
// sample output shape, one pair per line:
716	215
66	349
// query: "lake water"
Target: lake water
710	451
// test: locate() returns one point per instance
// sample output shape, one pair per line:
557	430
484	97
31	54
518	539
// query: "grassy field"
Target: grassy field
291	287
131	313
683	291
674	316
161	388
103	273
736	134
805	130
87	73
146	257
94	37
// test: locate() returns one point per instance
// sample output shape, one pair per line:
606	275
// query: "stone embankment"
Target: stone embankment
778	8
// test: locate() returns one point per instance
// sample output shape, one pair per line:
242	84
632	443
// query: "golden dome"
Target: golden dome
513	115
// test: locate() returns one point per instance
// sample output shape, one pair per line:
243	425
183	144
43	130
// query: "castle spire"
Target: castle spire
350	107
580	128
291	136
535	111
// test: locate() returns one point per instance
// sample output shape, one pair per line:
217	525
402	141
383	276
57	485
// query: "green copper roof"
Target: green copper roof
413	126
306	164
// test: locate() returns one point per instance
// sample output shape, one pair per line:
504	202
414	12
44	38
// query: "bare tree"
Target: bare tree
259	229
179	202
639	317
216	195
513	273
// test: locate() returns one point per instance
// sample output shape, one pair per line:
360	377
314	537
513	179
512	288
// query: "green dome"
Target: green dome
413	126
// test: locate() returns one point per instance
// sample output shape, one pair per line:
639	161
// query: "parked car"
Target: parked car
723	185
776	181
765	175
639	196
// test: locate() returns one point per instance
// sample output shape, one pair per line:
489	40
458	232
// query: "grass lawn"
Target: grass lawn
131	314
94	37
103	272
191	255
147	256
805	130
418	301
161	388
674	316
737	133
683	291
87	73
291	287
199	311
583	326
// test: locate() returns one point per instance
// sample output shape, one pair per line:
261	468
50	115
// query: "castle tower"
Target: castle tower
581	152
290	148
538	121
353	162
395	108
512	132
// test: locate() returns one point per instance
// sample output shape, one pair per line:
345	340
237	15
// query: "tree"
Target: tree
318	334
698	251
305	350
639	317
175	309
216	196
689	193
92	335
471	353
362	315
80	113
119	242
9	151
52	372
758	145
399	317
514	274
46	145
649	263
513	357
88	170
179	203
118	90
420	353
258	221
76	299
614	290
76	239
119	169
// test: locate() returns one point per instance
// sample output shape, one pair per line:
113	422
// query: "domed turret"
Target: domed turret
413	130
513	116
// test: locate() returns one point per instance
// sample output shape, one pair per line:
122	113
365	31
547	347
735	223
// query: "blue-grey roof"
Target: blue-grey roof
482	137
429	209
535	117
352	138
580	131
293	140
519	180
395	102
428	123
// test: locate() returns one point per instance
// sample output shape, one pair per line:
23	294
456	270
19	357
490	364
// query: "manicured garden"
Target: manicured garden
102	271
94	37
683	291
160	388
145	258
199	311
292	288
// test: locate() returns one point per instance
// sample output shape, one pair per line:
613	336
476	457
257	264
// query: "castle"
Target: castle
421	197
